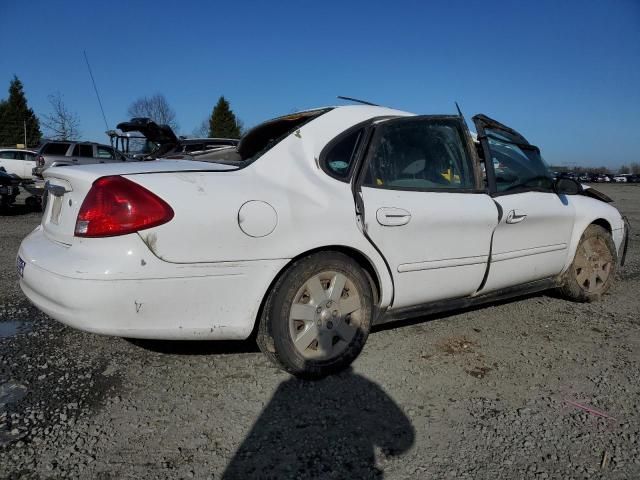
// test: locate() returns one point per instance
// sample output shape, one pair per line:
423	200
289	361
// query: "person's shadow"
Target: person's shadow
322	429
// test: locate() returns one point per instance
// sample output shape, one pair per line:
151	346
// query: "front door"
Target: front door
425	208
532	239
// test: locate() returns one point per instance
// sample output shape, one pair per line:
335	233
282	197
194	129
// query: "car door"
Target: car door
7	160
83	154
25	162
425	208
28	164
531	241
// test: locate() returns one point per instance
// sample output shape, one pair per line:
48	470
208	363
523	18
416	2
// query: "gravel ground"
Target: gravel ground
495	392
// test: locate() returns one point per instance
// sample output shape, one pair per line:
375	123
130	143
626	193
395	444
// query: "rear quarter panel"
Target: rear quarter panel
313	210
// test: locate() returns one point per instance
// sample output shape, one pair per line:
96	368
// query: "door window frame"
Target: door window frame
481	121
80	146
358	153
107	148
375	132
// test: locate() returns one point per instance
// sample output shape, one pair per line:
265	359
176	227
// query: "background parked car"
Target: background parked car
59	153
570	175
620	179
585	177
18	162
602	178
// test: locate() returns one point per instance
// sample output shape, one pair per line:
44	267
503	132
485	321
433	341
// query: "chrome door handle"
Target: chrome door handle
392	217
515	216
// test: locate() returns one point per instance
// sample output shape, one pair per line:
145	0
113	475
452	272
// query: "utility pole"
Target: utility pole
24	123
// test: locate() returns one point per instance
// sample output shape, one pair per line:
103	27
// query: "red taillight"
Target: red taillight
117	206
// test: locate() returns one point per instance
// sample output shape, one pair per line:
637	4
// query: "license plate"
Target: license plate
20	263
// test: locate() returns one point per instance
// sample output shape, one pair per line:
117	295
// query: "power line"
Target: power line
96	90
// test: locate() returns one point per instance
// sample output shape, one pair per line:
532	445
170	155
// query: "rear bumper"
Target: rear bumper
171	301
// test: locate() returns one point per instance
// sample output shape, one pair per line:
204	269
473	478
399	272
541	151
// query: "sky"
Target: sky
565	74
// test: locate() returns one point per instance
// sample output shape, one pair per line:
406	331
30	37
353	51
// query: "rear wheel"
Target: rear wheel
593	268
318	315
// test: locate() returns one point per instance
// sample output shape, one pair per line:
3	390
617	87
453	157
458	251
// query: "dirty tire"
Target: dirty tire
340	282
594	266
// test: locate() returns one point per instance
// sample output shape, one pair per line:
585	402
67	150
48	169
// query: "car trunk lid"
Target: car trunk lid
67	188
160	134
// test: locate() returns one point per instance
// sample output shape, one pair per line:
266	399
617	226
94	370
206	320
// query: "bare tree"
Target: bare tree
635	168
202	130
156	108
61	124
624	169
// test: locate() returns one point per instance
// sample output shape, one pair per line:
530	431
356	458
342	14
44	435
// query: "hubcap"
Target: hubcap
325	315
593	264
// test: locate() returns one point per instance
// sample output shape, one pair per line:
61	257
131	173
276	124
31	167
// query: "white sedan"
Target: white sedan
317	226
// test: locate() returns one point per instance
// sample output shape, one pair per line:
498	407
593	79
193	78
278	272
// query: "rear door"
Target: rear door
28	164
532	238
83	153
425	208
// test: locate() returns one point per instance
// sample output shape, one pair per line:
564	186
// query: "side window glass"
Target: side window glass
340	158
20	156
517	166
8	155
83	151
55	149
104	152
421	154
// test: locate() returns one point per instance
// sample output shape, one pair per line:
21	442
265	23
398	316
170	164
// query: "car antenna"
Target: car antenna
364	102
459	111
104	117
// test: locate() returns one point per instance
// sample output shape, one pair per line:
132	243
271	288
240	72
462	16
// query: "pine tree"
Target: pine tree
223	122
16	117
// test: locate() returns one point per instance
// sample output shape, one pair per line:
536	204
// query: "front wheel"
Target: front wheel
592	271
317	316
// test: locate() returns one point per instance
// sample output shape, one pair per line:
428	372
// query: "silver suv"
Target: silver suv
59	153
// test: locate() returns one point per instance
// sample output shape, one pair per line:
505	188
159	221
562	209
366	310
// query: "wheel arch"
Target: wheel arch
603	223
367	264
579	228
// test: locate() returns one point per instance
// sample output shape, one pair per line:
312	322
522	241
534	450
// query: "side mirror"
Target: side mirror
567	186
